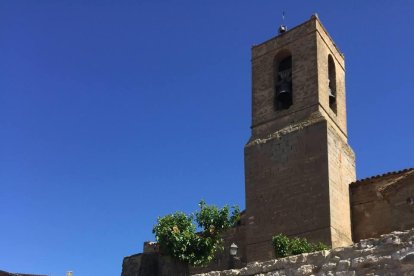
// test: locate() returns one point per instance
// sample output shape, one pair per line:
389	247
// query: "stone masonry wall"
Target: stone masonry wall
152	264
391	254
382	205
287	188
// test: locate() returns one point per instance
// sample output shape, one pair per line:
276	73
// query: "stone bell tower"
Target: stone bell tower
298	163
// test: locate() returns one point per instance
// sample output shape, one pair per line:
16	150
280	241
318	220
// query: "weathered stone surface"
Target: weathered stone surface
382	204
344	264
391	254
152	264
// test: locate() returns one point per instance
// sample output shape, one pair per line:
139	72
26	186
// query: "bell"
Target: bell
331	95
284	89
332	98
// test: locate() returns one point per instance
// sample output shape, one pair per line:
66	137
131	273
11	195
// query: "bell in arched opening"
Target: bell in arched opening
283	99
332	83
332	97
285	87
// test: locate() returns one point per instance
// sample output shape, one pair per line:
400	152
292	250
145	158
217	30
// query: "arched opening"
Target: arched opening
332	83
283	81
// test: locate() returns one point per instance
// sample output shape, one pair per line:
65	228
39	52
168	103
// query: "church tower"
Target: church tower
298	163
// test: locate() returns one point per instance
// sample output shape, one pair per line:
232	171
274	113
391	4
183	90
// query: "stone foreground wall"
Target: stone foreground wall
152	264
391	254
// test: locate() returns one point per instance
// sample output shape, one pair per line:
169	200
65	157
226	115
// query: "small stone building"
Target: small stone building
382	204
300	175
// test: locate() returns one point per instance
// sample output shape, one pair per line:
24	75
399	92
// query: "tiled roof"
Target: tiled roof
390	175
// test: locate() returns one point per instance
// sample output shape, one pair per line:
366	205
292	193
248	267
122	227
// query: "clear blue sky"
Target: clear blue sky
115	112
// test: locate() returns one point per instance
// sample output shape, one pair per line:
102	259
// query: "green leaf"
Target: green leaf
177	236
285	246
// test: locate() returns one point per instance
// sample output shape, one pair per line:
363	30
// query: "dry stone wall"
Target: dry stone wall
391	254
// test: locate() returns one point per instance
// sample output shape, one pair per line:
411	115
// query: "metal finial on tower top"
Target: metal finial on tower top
282	28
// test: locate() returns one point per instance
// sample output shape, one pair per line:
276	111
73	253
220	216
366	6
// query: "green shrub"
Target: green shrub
285	246
178	237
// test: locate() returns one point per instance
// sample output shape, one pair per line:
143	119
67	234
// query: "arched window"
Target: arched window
332	83
283	81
